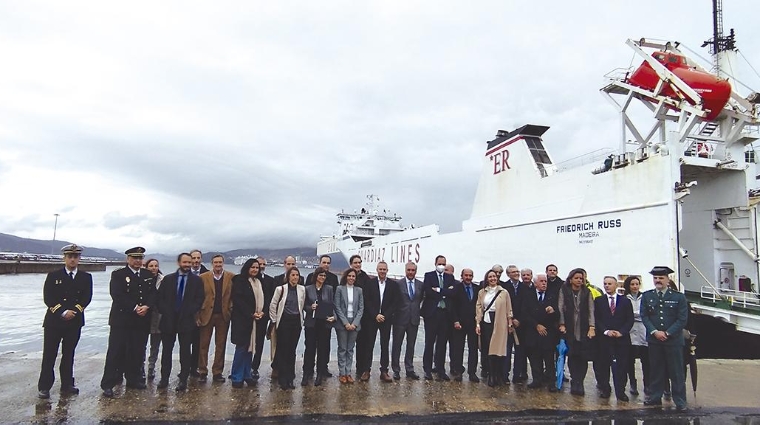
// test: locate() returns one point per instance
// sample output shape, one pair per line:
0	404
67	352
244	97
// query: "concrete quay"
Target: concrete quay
728	392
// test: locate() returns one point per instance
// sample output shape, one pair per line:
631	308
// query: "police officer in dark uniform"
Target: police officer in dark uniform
134	295
67	292
664	313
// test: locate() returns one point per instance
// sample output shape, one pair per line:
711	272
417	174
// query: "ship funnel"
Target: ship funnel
512	164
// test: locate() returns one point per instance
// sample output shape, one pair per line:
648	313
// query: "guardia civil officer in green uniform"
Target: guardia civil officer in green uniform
664	313
134	296
66	293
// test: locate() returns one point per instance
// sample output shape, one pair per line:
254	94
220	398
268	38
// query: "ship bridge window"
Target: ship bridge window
537	150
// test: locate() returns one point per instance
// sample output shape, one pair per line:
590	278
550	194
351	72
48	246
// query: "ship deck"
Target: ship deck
727	393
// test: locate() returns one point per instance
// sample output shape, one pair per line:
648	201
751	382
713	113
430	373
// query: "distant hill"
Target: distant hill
10	243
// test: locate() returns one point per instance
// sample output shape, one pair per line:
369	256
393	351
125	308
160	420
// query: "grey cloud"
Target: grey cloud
116	220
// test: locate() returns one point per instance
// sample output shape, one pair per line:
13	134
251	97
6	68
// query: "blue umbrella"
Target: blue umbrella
562	351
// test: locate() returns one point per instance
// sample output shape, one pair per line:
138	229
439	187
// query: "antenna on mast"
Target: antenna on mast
719	43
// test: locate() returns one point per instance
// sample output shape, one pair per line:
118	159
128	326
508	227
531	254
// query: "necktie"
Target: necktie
137	273
71	274
411	290
540	297
612	304
469	292
180	293
441	303
659	295
516	285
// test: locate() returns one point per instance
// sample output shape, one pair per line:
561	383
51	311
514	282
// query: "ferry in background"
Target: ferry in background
681	190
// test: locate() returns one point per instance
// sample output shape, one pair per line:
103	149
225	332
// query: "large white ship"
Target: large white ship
679	191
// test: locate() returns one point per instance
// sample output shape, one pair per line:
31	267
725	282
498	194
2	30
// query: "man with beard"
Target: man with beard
197	268
553	281
180	297
332	279
464	300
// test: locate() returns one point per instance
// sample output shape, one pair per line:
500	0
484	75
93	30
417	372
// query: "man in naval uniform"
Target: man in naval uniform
67	292
133	295
664	313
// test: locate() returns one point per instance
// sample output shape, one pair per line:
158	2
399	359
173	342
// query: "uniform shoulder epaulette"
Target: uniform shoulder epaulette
118	270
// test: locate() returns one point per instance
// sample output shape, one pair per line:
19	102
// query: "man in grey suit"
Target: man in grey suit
406	322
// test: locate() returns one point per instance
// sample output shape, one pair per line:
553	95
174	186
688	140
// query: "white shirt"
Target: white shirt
490	294
381	284
350	295
69	272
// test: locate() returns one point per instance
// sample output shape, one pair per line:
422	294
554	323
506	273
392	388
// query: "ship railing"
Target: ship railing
743	299
618	74
587	158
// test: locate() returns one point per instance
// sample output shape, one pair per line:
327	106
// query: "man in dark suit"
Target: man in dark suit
664	313
381	300
67	292
267	286
516	289
288	263
180	297
406	322
540	318
197	268
614	319
437	311
134	296
553	281
464	300
332	279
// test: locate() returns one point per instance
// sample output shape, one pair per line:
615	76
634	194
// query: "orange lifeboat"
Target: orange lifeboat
714	91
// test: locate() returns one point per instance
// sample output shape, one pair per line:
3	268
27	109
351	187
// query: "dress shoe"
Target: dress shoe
250	382
182	386
318	380
203	378
108	393
578	391
342	379
428	376
553	389
623	397
219	378
365	376
634	391
327	374
43	394
474	378
682	409
305	380
163	383
652	402
604	394
534	384
458	377
385	377
443	377
255	375
291	385
237	384
70	390
137	385
349	379
284	386
396	376
413	376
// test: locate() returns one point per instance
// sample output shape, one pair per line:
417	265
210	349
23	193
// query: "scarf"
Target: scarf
258	294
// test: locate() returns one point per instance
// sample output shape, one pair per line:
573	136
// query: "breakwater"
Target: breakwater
18	267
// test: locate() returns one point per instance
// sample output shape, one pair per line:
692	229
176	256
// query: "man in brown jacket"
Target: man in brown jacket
214	317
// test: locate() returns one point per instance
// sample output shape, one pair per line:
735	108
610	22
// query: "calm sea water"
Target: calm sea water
23	311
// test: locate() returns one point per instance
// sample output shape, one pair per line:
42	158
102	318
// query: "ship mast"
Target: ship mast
723	48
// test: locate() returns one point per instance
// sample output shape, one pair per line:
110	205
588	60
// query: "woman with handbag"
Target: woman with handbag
577	325
493	322
285	311
247	305
349	308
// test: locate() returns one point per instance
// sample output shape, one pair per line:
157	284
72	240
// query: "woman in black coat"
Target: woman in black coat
578	327
244	287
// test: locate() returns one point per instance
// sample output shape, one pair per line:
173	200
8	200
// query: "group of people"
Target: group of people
501	324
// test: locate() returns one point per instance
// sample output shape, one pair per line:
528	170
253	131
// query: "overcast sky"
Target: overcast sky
225	125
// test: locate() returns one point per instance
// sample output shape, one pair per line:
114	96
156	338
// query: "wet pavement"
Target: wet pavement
729	392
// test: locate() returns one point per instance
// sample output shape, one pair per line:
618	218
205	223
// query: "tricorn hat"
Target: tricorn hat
661	271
